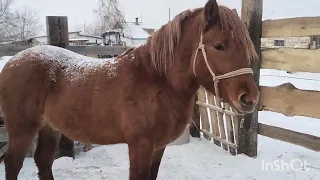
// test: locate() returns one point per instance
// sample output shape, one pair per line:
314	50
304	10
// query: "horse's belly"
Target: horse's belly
89	132
83	126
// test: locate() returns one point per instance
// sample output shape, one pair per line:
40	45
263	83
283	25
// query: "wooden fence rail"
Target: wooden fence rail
286	98
217	124
305	140
291	27
291	60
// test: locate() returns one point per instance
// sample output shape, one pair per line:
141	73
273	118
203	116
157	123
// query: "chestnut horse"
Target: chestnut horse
143	98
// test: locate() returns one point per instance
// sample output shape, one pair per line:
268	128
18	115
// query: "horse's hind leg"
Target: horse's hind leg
45	153
20	139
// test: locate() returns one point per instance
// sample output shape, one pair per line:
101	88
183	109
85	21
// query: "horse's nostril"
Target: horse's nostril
245	101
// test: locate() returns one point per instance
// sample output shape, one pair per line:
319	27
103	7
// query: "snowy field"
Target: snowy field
200	159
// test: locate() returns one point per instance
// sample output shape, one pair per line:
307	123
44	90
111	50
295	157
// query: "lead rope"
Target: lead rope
216	79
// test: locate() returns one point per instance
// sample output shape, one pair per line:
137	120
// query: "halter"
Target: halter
215	78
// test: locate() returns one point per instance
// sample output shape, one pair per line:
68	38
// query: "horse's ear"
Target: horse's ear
211	12
235	11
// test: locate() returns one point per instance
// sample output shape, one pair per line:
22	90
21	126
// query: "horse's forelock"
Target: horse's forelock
231	21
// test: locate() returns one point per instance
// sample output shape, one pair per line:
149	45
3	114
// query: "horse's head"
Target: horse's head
221	62
211	46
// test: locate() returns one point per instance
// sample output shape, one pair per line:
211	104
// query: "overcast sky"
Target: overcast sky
155	12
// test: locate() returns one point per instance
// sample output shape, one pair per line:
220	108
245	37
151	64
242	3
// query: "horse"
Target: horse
143	98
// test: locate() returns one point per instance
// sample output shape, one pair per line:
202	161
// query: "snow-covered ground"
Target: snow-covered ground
200	159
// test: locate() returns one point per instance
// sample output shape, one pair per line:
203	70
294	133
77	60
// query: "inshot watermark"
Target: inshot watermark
282	166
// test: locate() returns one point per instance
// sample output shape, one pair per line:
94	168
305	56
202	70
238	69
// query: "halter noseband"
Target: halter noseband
215	78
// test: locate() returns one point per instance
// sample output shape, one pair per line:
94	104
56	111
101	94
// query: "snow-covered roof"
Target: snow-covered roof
132	30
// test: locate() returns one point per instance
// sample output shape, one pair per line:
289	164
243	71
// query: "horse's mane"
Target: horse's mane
163	41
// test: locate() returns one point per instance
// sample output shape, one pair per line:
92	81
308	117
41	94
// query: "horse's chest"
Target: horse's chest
175	122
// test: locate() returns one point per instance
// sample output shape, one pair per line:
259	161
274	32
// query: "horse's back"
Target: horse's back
28	78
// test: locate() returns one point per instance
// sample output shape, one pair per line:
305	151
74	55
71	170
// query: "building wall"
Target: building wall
289	42
133	42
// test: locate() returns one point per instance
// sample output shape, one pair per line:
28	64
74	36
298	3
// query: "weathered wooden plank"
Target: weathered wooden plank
297	138
223	141
230	131
236	122
230	113
221	124
291	60
290	101
57	31
299	26
91	51
214	118
203	112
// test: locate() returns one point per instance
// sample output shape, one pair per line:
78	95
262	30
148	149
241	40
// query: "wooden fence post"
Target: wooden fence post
58	35
251	15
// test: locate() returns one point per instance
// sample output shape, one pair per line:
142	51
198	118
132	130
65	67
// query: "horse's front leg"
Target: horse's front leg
140	155
156	161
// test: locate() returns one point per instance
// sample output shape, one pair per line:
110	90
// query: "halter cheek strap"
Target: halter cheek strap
215	78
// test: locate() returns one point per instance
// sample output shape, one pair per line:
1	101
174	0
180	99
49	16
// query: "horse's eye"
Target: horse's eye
218	46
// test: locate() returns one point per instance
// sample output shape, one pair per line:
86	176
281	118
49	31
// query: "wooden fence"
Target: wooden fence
223	126
218	122
286	98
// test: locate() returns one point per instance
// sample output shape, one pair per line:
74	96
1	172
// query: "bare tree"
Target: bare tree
4	15
4	8
107	15
22	24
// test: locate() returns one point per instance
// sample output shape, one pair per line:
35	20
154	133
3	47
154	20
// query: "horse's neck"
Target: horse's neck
180	74
177	77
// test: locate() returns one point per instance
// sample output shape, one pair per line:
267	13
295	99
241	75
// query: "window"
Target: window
278	42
